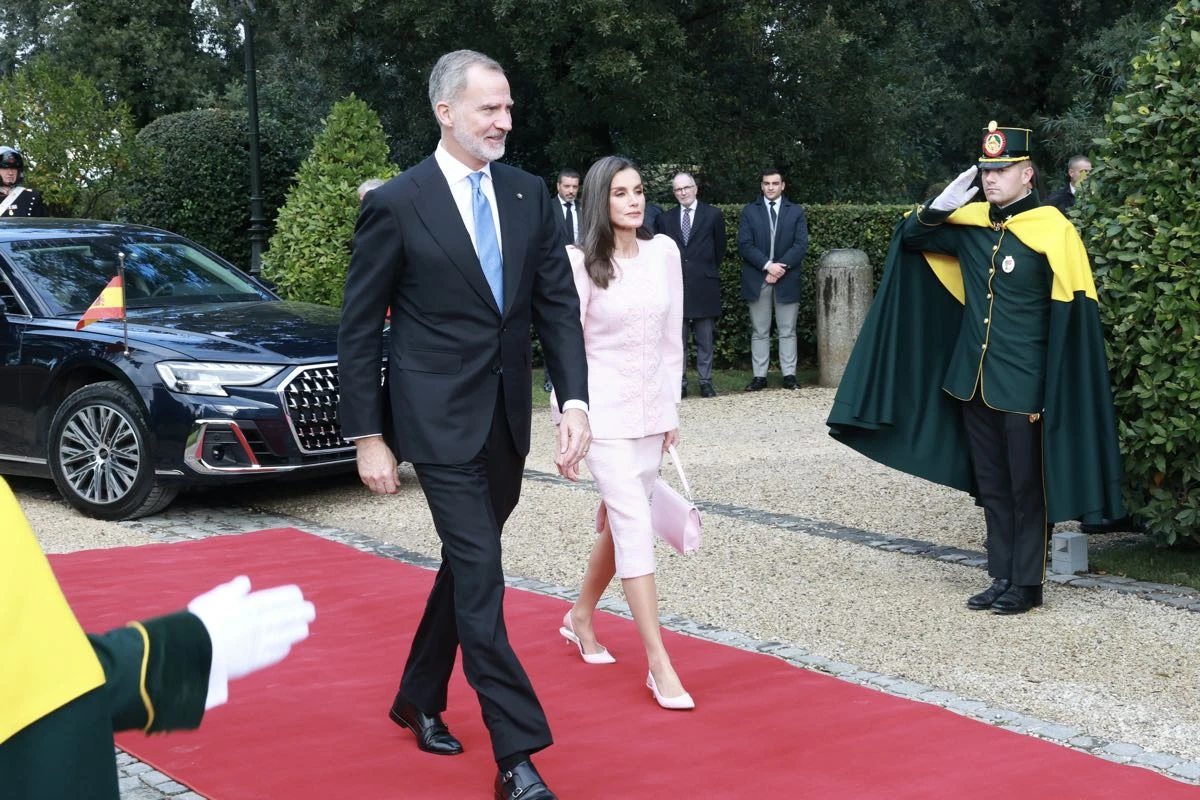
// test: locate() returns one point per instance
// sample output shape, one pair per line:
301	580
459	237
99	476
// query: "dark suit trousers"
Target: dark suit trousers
1006	453
703	327
470	504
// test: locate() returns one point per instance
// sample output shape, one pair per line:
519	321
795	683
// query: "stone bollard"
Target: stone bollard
844	290
1068	553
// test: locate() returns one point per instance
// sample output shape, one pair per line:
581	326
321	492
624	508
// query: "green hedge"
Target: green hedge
830	227
196	181
1140	215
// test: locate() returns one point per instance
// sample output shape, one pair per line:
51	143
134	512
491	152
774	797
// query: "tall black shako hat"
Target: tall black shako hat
1004	146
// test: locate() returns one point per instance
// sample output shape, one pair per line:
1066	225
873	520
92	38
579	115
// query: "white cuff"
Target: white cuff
582	406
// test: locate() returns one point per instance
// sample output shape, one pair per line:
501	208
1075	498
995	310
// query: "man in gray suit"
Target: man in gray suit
699	230
772	241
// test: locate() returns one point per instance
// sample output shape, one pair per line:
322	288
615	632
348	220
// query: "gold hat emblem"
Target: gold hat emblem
994	144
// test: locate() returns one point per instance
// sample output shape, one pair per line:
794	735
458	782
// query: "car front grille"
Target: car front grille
311	399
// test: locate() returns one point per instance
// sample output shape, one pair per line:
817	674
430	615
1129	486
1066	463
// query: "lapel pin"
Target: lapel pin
520	196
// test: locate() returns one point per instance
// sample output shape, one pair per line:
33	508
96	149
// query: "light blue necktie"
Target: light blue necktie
485	240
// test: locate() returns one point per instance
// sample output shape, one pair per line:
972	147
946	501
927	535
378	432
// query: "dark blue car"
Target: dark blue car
222	380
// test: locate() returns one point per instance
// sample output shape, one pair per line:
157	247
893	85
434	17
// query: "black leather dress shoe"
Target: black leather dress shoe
1018	600
983	600
789	381
432	734
756	384
524	782
683	390
707	390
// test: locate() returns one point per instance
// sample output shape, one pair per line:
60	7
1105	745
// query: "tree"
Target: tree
1098	74
79	146
310	251
1140	213
157	56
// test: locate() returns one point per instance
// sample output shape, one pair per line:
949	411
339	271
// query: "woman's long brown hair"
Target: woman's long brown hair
595	223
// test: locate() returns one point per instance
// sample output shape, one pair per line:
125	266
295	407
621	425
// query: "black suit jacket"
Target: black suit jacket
652	216
451	348
1062	199
754	246
28	204
701	257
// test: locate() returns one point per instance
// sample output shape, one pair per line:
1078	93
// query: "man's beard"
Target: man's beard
479	146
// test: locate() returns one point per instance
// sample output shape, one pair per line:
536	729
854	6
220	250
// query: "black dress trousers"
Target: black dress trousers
1006	454
470	503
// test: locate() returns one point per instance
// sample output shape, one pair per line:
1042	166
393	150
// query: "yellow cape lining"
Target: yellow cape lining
1044	230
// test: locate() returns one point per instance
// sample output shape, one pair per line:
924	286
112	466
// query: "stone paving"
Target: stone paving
140	781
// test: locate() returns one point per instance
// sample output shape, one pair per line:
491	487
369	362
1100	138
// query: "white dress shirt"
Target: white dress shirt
562	210
457	174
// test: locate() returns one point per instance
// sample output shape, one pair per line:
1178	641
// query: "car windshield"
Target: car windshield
68	274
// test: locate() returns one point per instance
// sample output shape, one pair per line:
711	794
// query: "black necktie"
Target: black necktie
774	216
686	225
570	219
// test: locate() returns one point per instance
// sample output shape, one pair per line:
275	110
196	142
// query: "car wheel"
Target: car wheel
100	454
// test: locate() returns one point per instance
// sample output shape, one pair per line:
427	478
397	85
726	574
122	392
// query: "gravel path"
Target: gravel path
1111	665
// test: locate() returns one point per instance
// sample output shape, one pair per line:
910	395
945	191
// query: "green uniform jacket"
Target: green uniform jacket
155	679
891	406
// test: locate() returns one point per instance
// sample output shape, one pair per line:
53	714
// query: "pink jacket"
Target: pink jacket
633	335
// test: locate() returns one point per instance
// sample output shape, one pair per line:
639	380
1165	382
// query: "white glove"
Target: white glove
249	630
958	193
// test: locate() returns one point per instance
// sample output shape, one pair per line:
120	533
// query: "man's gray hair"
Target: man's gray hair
449	75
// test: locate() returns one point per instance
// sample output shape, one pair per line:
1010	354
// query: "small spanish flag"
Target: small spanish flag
110	304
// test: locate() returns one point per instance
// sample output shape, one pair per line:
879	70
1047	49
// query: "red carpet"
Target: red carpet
316	726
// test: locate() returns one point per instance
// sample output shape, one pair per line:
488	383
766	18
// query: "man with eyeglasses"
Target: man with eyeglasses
699	230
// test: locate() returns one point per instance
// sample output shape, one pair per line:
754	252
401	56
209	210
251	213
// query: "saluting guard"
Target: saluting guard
981	366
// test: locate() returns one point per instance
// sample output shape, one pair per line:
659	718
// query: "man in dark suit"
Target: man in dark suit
699	230
568	205
1078	168
568	208
772	241
468	253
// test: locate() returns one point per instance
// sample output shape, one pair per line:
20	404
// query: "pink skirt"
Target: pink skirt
624	471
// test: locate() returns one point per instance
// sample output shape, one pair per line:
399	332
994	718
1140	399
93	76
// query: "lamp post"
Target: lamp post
258	228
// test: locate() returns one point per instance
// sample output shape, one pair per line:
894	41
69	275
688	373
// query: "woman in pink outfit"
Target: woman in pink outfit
630	287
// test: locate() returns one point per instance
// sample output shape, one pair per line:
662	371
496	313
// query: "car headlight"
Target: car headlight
211	378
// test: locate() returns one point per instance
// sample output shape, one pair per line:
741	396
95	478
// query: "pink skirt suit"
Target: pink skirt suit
635	371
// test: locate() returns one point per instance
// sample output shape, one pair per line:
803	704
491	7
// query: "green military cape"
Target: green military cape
890	405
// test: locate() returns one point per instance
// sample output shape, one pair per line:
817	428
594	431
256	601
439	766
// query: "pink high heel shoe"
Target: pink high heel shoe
683	702
568	632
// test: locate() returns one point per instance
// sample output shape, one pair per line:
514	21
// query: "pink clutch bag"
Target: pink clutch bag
674	516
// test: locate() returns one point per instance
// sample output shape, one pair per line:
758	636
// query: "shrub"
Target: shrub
198	181
1141	219
310	251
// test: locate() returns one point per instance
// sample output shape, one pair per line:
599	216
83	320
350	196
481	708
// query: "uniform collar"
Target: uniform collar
1029	201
